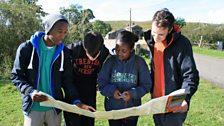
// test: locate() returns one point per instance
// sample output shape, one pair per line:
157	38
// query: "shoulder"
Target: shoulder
104	52
75	48
74	45
25	46
139	58
183	40
105	48
182	44
110	59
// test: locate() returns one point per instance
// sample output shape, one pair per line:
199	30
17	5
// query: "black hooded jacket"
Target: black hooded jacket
179	66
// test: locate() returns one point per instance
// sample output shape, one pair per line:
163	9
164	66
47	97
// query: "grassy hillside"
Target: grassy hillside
122	24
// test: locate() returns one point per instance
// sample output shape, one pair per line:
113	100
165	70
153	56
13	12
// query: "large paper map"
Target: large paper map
154	106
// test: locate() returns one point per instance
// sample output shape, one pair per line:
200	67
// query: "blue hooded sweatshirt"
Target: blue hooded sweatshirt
131	75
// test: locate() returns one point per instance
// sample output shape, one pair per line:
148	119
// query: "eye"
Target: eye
124	51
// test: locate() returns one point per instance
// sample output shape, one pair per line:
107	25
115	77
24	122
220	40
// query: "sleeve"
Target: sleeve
105	86
68	85
144	80
18	75
189	71
71	49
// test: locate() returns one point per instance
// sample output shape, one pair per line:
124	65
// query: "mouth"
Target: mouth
120	57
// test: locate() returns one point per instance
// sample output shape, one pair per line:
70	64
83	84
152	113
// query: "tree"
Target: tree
180	22
79	20
18	20
101	27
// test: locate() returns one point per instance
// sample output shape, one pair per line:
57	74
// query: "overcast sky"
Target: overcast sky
209	11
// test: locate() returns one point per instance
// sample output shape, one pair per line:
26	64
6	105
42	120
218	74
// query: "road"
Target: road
210	69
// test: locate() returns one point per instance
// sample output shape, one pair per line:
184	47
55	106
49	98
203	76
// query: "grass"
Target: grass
209	52
206	107
123	24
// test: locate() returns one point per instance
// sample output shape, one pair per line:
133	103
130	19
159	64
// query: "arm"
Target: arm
106	88
189	71
19	75
144	80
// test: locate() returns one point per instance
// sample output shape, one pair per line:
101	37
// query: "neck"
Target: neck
48	41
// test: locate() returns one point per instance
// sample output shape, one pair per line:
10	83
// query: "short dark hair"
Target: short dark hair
164	18
93	42
128	38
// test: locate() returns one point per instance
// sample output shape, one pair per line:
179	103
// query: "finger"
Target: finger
126	93
92	109
177	110
43	97
183	110
40	98
118	93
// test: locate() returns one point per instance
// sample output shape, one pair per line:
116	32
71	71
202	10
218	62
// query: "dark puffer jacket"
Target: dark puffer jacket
179	65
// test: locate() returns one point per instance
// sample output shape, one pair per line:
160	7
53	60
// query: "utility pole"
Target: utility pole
130	22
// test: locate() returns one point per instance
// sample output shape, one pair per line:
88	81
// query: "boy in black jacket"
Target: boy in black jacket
87	59
42	64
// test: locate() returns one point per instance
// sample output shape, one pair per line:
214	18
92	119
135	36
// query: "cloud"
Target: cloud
142	10
120	10
52	6
216	16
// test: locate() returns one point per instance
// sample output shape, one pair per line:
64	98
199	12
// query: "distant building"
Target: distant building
113	34
134	28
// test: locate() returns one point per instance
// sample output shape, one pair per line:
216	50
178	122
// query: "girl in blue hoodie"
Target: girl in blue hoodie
124	78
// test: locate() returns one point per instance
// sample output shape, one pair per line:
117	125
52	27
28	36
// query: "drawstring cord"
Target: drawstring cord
62	61
30	66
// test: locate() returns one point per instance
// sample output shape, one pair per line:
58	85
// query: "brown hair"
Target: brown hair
164	18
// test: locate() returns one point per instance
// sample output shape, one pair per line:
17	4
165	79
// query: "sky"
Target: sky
206	11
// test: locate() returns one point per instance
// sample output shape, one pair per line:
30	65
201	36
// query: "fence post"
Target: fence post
200	44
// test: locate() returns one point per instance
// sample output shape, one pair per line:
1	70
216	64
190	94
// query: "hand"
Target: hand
117	94
38	97
183	108
126	96
86	107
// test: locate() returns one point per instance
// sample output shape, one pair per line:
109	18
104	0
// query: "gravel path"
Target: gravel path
210	69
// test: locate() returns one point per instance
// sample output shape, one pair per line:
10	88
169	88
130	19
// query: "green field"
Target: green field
209	52
207	107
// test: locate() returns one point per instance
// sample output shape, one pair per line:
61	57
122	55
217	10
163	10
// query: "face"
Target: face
159	33
123	50
57	33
